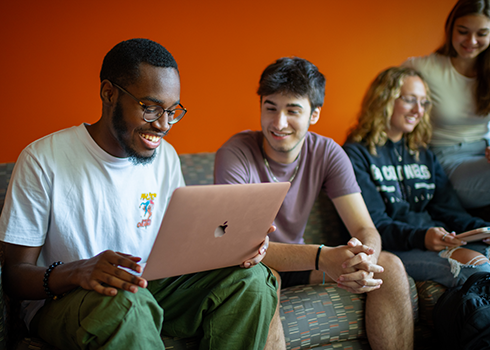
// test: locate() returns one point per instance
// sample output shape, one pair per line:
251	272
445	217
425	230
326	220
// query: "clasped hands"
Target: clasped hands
352	266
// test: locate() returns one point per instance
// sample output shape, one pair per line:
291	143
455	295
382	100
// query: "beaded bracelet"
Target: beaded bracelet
45	280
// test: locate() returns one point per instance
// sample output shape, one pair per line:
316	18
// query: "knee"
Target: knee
120	305
257	280
394	276
467	257
464	262
391	264
254	287
261	276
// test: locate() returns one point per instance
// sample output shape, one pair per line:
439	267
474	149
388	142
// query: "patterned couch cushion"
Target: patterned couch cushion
315	315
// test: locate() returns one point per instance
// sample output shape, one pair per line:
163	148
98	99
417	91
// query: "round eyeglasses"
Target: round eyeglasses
412	102
154	112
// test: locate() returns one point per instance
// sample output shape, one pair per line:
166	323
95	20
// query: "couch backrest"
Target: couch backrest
5	172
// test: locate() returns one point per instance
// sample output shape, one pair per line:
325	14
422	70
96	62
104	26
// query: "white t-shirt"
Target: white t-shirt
75	200
453	114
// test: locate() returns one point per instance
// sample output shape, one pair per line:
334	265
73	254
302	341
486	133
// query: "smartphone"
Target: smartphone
474	235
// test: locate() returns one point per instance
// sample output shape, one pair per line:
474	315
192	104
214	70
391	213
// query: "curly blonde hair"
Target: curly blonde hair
377	108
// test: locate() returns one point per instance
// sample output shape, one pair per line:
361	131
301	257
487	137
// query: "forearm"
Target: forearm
23	281
357	219
26	281
302	257
291	257
400	236
370	237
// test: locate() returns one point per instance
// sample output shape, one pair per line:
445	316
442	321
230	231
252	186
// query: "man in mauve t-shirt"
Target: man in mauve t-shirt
291	94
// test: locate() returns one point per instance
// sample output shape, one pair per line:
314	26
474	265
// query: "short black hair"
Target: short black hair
122	62
293	75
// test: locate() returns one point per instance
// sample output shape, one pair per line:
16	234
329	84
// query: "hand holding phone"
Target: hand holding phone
474	235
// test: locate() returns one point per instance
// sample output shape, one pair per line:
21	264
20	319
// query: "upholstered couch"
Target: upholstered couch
313	316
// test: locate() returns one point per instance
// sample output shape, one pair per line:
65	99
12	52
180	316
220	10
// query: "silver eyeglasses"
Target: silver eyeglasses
412	101
154	112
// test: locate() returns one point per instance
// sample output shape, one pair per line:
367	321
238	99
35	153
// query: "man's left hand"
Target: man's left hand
261	252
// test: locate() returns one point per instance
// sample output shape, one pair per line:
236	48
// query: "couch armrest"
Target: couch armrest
3	315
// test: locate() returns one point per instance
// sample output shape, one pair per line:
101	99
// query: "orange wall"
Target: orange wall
51	52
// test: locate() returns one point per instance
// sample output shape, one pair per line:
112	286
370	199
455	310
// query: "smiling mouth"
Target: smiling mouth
470	48
151	138
280	134
411	119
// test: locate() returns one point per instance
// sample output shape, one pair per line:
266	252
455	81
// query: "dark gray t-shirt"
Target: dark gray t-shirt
322	164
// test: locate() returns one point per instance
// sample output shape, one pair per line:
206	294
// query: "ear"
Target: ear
315	115
108	93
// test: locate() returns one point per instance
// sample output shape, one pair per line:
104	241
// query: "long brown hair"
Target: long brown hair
461	9
377	109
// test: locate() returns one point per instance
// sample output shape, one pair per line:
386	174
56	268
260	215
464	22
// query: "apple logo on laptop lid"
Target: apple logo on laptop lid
220	230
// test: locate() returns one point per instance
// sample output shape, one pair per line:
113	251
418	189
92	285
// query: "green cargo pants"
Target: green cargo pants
229	308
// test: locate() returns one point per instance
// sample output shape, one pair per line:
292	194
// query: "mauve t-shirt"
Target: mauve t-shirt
322	164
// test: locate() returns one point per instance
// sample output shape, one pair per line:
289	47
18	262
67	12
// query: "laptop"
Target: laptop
213	226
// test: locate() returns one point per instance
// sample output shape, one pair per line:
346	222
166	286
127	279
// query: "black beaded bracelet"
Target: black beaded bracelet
45	280
318	256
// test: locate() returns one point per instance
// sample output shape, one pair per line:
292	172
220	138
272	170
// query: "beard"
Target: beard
121	129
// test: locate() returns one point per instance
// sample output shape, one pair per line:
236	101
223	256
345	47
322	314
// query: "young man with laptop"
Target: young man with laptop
291	94
84	206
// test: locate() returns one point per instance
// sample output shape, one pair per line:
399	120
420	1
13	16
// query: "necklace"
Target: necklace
398	154
272	174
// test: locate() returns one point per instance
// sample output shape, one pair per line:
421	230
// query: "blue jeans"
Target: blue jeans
424	265
467	168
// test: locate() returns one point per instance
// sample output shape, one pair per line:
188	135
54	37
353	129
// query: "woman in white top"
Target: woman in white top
458	74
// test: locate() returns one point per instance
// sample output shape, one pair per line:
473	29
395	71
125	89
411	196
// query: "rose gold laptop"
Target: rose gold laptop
213	226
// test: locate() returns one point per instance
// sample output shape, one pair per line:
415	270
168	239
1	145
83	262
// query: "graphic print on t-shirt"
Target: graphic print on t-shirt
403	182
146	207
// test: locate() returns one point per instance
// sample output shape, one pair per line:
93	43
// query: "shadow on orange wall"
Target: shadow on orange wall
53	52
